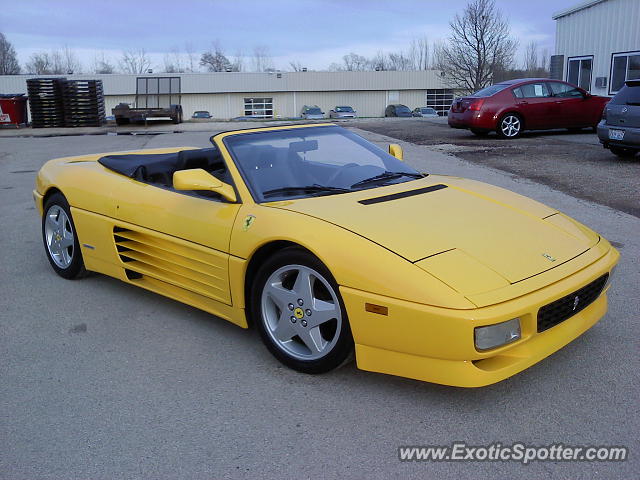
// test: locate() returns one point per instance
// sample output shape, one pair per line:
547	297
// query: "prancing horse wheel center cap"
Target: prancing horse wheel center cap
299	313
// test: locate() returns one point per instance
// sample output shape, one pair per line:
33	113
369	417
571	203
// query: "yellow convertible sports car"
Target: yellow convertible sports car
327	244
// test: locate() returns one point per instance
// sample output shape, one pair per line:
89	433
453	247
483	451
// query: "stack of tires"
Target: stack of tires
46	102
83	103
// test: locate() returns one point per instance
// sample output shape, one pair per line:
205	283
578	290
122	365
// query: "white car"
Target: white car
313	112
424	112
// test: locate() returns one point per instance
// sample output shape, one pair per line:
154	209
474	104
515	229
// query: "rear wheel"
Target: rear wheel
60	239
622	152
510	126
297	308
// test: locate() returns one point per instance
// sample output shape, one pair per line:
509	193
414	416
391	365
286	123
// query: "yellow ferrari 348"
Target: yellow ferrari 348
327	245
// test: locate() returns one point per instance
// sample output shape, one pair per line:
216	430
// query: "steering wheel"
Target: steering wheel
341	171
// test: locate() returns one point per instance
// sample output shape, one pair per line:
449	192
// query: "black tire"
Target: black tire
479	133
75	269
342	348
623	152
510	117
122	121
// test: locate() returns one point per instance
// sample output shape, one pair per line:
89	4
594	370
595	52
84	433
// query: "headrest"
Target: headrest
201	158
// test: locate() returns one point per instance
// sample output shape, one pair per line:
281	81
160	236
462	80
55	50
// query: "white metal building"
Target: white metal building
268	95
598	45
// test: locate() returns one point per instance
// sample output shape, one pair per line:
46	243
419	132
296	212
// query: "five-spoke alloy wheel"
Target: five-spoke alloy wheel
510	126
60	240
296	305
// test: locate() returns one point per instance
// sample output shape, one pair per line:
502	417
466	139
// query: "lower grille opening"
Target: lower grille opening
556	312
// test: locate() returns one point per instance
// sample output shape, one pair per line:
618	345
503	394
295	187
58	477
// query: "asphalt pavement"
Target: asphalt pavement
102	380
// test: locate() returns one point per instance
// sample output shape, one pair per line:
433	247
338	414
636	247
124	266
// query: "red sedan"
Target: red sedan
511	107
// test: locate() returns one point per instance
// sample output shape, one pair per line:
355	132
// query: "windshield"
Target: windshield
402	108
344	109
488	91
314	111
304	162
428	110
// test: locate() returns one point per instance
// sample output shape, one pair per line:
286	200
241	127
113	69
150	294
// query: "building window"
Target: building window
157	92
258	107
440	99
579	71
624	66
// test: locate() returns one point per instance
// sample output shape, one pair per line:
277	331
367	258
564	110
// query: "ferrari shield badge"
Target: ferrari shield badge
248	221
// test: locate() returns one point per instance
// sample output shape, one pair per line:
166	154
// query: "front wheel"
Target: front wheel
510	126
60	238
297	307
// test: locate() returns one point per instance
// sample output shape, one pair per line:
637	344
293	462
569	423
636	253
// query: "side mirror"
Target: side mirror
199	179
395	150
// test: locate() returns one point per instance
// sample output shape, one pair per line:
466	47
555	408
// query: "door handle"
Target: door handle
524	102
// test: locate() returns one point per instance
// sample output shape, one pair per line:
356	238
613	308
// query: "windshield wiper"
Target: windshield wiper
315	188
384	176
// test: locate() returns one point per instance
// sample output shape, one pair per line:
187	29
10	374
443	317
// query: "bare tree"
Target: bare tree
419	53
191	57
380	61
135	62
354	62
8	59
237	64
215	60
296	65
262	61
55	62
69	62
399	61
39	63
531	56
173	61
479	45
544	61
101	64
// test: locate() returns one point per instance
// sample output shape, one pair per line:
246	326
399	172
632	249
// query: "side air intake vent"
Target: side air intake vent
172	261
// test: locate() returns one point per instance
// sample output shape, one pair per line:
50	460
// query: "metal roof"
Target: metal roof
576	8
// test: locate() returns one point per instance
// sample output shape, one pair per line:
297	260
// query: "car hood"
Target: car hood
508	234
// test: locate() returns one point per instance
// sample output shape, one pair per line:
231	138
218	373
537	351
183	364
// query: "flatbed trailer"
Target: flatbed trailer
124	114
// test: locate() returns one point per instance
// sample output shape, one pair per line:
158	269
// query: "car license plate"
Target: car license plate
616	134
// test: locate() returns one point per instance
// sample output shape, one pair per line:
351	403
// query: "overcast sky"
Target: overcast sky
314	32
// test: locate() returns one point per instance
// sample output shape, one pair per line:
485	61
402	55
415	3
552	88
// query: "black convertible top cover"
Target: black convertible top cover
152	163
154	167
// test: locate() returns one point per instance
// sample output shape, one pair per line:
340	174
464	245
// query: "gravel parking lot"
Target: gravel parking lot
101	380
572	163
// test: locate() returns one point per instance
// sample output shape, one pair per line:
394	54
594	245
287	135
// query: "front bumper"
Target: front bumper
436	345
631	136
37	198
